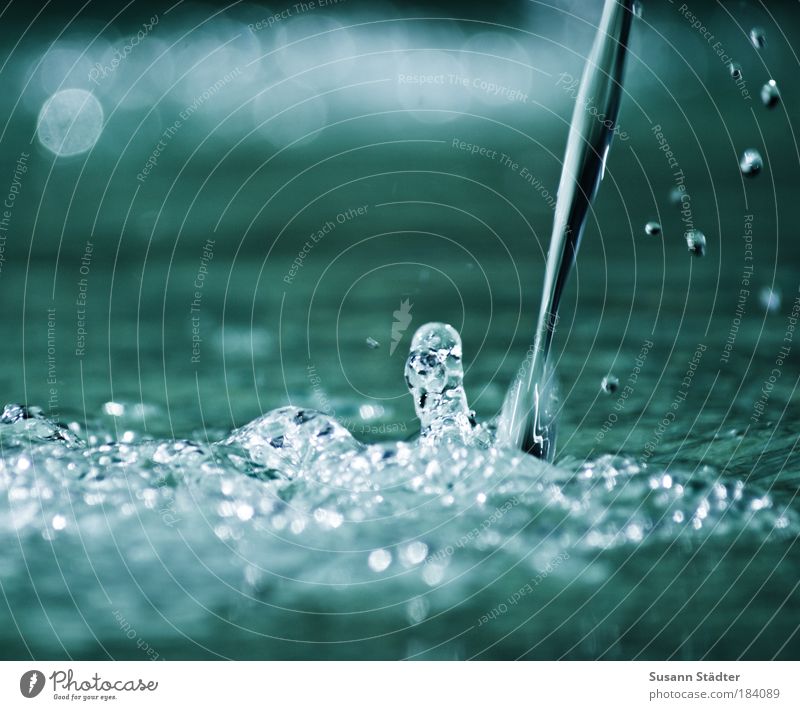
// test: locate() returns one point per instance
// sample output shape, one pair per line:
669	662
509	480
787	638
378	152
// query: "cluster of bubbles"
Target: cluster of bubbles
751	161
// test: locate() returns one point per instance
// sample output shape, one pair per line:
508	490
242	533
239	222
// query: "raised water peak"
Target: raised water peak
434	374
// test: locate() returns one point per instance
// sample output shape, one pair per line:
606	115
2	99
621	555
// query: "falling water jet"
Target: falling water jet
527	420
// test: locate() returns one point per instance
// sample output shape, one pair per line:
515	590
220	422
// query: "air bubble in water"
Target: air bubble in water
751	163
373	344
696	241
770	96
637	9
610	384
434	374
652	229
758	37
736	70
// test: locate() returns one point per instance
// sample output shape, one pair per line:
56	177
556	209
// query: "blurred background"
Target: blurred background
216	206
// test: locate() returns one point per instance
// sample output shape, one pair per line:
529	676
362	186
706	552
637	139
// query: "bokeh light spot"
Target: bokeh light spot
70	122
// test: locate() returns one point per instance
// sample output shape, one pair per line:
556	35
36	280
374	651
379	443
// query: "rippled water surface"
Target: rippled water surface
214	442
290	537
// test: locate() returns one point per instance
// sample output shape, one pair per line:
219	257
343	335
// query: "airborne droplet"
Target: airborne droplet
770	299
696	241
379	560
770	96
751	163
758	37
609	384
652	229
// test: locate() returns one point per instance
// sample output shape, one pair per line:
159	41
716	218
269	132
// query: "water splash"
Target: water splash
527	420
652	229
609	384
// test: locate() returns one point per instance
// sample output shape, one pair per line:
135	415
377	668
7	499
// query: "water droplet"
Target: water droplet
751	163
696	242
292	440
653	229
368	412
758	37
609	384
770	299
244	512
328	519
770	96
634	532
433	574
115	409
736	70
373	344
637	9
434	375
379	560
